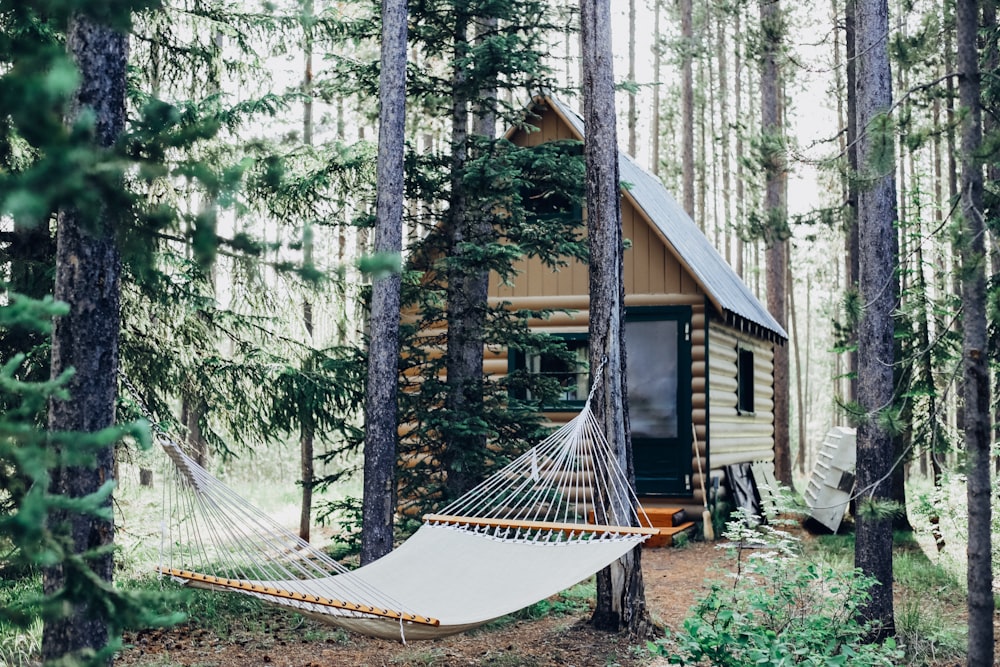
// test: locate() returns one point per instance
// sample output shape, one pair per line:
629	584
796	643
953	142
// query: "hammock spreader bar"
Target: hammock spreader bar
246	586
572	528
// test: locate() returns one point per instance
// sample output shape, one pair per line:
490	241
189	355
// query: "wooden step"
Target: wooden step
666	536
665	517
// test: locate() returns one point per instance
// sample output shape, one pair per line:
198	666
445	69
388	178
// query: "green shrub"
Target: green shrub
777	609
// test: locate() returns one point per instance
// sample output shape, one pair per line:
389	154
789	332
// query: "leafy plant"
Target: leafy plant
778	609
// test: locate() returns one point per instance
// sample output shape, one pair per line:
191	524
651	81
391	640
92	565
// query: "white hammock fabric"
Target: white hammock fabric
554	516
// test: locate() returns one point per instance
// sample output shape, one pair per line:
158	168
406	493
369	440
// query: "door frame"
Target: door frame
676	475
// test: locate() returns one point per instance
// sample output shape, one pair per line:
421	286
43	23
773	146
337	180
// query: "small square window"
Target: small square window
744	381
572	375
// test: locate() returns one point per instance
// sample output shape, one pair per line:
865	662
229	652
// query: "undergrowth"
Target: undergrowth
19	646
777	608
929	597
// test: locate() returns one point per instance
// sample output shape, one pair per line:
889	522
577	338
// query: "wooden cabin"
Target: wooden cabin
699	344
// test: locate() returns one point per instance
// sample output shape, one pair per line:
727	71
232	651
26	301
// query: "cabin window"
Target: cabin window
744	381
573	375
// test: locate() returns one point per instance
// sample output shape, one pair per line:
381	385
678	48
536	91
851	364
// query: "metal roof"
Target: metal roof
730	295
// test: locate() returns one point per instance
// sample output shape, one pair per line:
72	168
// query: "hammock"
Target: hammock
554	516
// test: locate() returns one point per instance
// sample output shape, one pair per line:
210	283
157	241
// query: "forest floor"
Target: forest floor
557	633
673	578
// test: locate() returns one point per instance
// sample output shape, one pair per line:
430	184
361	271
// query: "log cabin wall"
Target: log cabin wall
726	334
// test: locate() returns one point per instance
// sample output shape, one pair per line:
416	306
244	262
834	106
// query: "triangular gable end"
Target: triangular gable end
728	294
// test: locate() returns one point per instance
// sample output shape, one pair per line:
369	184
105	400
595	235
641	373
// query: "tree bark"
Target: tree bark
657	83
799	372
468	283
775	210
465	292
307	432
381	430
687	110
974	353
851	209
726	222
877	262
738	95
621	600
991	63
88	279
632	115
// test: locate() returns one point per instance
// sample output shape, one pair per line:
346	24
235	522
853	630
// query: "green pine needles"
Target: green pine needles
31	538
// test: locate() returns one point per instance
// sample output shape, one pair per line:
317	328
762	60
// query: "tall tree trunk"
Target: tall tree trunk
657	83
775	210
88	279
851	213
974	353
379	501
720	52
877	262
468	284
621	598
925	377
461	387
632	116
738	95
687	110
701	146
799	373
903	372
307	431
991	125
947	13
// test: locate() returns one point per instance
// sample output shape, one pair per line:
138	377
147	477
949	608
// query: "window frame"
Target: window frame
519	360
746	386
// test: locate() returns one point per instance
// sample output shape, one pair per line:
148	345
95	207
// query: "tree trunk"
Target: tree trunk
799	373
947	13
379	502
974	353
877	263
621	600
88	279
687	111
726	222
307	433
991	63
776	214
657	83
738	95
468	283
851	212
632	116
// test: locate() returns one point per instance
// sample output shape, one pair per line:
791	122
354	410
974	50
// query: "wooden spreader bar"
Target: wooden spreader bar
540	525
241	585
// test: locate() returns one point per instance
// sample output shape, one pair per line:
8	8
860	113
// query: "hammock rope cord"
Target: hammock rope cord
552	517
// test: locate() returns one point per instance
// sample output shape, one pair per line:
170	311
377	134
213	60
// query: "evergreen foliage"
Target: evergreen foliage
529	197
29	540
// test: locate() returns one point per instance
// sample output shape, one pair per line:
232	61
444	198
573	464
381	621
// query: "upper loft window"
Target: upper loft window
744	381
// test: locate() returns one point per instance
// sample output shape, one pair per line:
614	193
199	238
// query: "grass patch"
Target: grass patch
929	597
19	646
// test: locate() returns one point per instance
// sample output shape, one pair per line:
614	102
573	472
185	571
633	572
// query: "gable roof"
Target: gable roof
727	292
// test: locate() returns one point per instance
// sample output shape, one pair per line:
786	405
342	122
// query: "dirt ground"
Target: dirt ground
673	578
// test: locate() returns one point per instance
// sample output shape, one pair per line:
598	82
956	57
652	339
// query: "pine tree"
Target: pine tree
621	602
772	26
379	502
876	217
975	368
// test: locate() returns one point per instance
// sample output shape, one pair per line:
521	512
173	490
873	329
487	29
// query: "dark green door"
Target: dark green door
658	348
